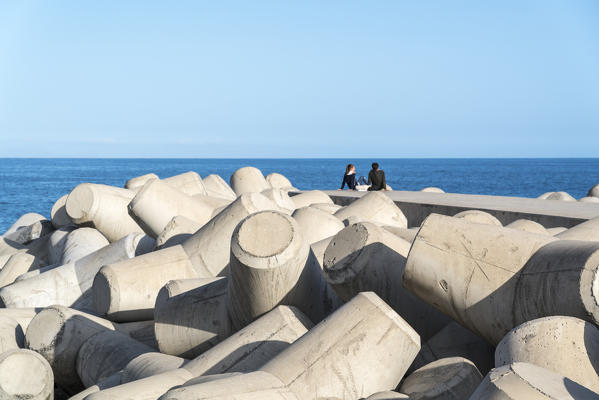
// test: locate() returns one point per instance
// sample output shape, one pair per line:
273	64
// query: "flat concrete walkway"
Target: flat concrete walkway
418	205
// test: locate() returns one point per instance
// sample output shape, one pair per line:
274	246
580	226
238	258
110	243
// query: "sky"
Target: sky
283	79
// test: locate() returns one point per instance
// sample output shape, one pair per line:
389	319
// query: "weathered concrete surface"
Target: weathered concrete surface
588	230
530	382
142	331
416	206
316	224
364	257
307	198
478	217
29	233
17	265
453	378
102	207
24	221
278	181
59	215
56	244
11	334
374	207
565	345
248	180
281	199
387	395
80	243
22	315
328	207
120	294
139	181
189	183
528	226
467	271
178	230
218	187
376	344
24	374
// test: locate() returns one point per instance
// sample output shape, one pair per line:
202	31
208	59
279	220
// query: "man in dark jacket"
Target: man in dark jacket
376	178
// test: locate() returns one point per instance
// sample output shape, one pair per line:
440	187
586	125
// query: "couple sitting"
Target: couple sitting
376	178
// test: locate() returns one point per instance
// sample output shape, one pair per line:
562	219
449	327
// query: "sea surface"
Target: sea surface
33	185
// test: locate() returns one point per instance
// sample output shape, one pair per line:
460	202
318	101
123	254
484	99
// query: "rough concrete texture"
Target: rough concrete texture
453	378
374	207
24	374
59	215
29	233
456	341
22	315
120	294
281	199
407	234
218	187
178	230
467	271
56	244
316	224
589	199
328	207
11	334
594	191
307	198
432	189
365	257
80	243
24	221
191	316
278	181
57	333
139	181
156	203
209	249
318	249
387	395
479	217
565	345
142	331
528	226
189	183
104	208
529	382
362	348
149	364
588	230
16	265
106	353
68	284
248	180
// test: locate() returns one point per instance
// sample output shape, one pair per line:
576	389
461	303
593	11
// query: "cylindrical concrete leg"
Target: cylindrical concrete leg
150	364
467	271
407	234
588	230
120	294
80	243
387	395
209	249
555	231
139	181
25	374
29	233
103	207
189	183
142	331
316	224
218	187
22	315
374	207
57	333
527	225
362	348
17	265
59	214
530	382
327	207
445	379
56	244
191	316
278	181
364	257
11	334
106	383
177	231
565	345
478	217
68	284
307	198
24	221
248	180
106	353
281	199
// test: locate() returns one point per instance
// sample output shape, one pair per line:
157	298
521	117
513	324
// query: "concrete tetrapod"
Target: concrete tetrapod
218	187
316	224
530	382
57	333
527	225
479	217
29	233
270	266
191	316
105	353
189	183
307	198
565	345
102	207
453	378
68	284
281	199
365	257
59	215
278	181
139	181
120	294
467	271
588	230
248	180
156	203
178	230
362	348
80	243
24	221
244	351
374	207
24	374
594	191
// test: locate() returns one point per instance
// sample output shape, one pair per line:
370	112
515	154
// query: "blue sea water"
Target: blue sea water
33	185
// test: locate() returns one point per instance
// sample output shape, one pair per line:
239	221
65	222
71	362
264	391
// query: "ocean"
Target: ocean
33	185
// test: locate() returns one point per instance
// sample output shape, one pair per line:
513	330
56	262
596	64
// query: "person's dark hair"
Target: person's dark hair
375	166
348	168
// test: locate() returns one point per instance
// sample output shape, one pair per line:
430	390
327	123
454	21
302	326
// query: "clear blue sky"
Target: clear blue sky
299	79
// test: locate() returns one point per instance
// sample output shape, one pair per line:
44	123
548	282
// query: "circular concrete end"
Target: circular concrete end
343	251
24	374
80	203
265	234
44	330
102	293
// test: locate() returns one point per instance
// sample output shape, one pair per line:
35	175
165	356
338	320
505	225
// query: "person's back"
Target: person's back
376	178
349	178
